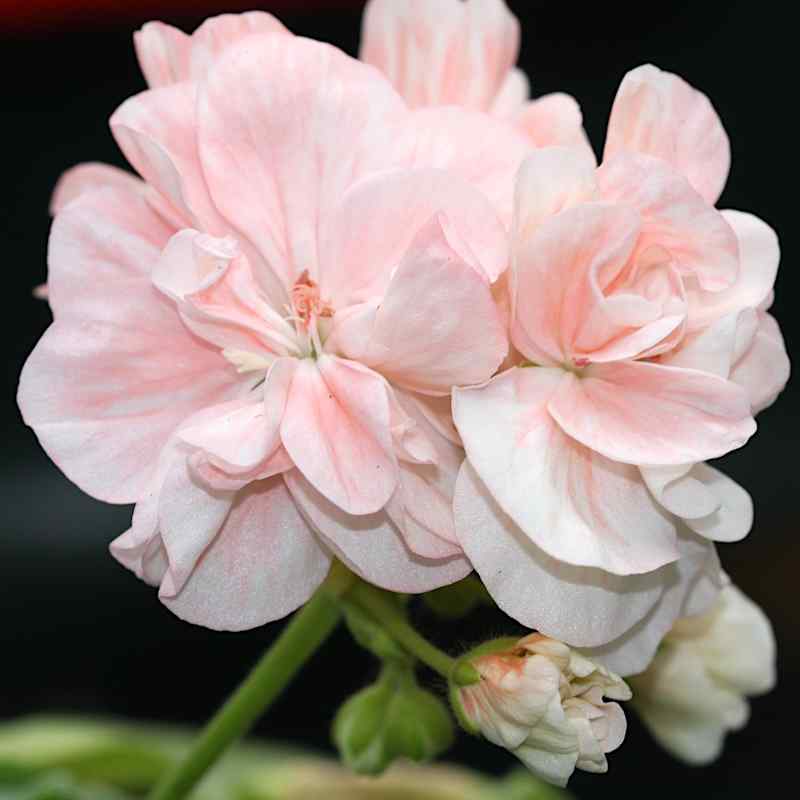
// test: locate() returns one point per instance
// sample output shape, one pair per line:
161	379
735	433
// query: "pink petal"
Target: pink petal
763	370
256	137
336	428
513	95
643	413
437	326
555	120
674	218
189	518
759	253
219	33
583	606
553	271
163	53
117	372
486	152
372	546
574	504
710	503
551	180
422	507
246	433
156	131
89	177
690	586
380	217
263	564
443	52
659	114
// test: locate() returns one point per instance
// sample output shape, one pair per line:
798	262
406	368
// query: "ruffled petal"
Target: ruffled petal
156	130
659	114
576	505
763	369
555	271
372	546
582	606
437	325
674	217
163	53
255	137
263	563
555	120
639	412
117	372
380	217
336	428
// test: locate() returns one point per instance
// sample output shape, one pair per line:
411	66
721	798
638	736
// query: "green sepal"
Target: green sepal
394	718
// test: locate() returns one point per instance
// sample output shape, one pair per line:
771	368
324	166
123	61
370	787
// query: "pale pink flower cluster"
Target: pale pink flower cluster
391	311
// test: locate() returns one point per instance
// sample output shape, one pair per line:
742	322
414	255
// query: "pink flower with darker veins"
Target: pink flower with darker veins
257	344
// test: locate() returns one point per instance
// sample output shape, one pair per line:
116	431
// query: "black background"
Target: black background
79	633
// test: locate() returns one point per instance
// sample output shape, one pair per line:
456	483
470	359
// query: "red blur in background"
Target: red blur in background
40	16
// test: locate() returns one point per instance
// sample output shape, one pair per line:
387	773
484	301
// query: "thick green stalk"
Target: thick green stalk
298	641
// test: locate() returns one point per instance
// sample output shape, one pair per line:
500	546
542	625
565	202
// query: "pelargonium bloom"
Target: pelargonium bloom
638	312
695	691
544	702
257	344
462	53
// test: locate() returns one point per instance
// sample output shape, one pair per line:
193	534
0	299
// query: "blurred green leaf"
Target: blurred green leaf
459	599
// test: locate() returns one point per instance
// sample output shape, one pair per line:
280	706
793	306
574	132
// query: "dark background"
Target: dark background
79	633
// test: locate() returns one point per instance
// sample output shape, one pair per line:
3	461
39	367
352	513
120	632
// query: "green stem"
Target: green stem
298	641
381	607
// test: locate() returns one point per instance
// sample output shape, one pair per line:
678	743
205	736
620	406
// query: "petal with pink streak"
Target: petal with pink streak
551	180
555	272
555	120
691	586
637	412
336	428
437	326
759	255
156	130
573	503
442	52
263	564
485	151
90	177
257	136
163	53
583	606
659	114
380	217
372	546
763	370
117	372
674	218
219	33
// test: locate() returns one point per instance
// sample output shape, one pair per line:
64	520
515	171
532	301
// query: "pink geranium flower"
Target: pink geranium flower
257	344
638	312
